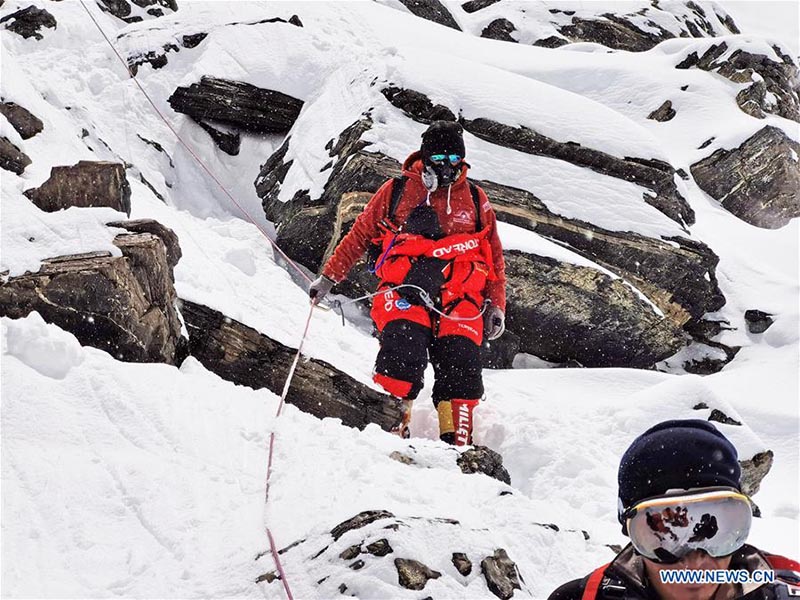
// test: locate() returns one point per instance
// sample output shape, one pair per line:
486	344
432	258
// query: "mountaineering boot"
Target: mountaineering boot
403	428
447	432
462	420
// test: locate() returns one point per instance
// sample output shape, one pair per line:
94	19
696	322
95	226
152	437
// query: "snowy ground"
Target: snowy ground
147	480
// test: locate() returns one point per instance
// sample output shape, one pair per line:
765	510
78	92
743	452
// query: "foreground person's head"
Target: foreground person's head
681	504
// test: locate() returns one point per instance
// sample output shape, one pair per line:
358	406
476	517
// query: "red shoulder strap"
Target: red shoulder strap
781	563
593	583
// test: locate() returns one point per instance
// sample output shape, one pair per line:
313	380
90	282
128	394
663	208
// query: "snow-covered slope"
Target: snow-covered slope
143	480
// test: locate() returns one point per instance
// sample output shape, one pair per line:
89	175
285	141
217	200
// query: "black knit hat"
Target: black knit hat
443	137
676	455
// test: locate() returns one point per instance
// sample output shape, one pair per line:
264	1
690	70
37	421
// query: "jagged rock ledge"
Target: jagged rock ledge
241	354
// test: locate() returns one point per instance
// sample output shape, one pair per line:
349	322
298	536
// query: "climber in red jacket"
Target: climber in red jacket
435	231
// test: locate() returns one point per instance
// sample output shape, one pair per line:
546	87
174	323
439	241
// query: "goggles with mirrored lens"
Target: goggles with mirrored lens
440	158
667	528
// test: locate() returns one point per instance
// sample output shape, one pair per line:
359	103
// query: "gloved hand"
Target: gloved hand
494	323
319	288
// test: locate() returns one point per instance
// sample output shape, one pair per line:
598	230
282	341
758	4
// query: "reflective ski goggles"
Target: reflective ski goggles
667	528
440	158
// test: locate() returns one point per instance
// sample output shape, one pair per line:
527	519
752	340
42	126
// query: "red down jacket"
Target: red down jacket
456	223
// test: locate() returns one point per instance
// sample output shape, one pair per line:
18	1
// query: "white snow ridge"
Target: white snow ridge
127	474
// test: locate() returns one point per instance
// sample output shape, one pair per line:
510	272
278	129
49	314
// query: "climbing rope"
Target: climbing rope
337	305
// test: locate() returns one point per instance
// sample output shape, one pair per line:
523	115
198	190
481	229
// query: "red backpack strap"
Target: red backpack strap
593	583
781	563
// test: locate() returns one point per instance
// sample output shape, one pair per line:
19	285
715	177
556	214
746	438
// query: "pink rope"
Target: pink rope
191	151
273	548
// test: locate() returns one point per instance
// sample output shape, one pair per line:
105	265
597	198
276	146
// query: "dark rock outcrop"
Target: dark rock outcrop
652	174
29	21
165	234
360	520
754	470
482	459
499	29
476	5
775	86
219	104
637	31
500	573
12	158
614	32
241	354
757	320
562	311
85	184
462	563
123	305
122	9
412	574
380	547
663	113
759	181
431	10
22	120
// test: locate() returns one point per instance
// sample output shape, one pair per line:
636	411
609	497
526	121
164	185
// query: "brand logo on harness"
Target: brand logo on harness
458	247
402	304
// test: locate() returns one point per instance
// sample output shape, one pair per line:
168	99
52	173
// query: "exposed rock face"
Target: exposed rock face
123	305
754	470
757	320
243	355
482	459
499	29
29	21
775	86
614	32
562	311
412	574
122	9
654	175
501	574
84	184
432	10
26	124
759	181
12	158
665	112
636	29
360	520
233	104
462	563
165	234
476	5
